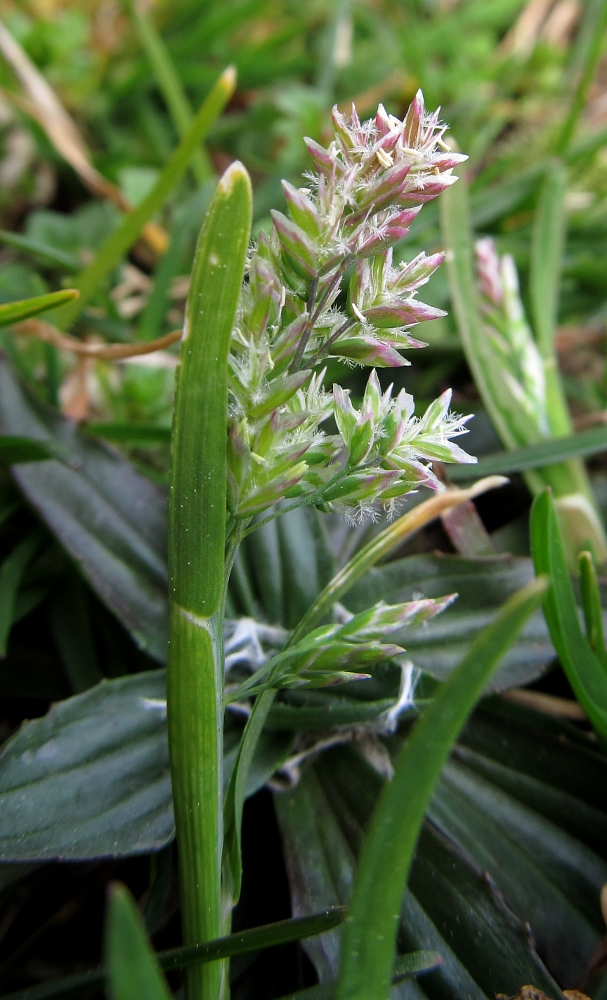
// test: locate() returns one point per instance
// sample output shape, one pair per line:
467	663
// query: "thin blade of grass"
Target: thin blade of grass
535	456
116	245
368	940
591	606
47	254
170	85
13	312
583	668
11	573
414	963
584	63
132	966
243	943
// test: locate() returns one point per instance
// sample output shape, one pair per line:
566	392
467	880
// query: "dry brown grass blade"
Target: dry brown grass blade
523	36
548	704
103	352
45	107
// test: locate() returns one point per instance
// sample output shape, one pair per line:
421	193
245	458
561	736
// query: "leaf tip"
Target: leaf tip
235	174
228	79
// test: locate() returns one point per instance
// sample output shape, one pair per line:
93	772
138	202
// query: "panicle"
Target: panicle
368	186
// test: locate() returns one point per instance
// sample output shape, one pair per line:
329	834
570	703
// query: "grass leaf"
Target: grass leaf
583	668
592	441
13	312
369	933
132	966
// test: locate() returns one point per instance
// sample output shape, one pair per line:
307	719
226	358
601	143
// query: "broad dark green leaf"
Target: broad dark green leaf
132	966
542	871
110	520
545	763
483	585
91	778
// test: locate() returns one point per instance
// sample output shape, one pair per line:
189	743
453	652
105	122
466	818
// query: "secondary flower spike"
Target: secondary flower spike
367	187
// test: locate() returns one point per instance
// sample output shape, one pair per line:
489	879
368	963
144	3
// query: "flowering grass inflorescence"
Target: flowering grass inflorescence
511	352
369	185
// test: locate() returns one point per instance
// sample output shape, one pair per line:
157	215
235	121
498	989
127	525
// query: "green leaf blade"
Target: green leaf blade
583	668
133	969
14	312
369	934
197	509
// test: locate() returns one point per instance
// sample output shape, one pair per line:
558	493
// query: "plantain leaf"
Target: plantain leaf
109	519
483	946
91	778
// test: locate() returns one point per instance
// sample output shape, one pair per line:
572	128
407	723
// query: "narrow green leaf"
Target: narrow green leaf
14	450
118	242
11	573
586	55
242	943
197	531
132	966
197	510
14	312
547	246
591	605
592	441
128	433
370	930
583	668
48	254
170	85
